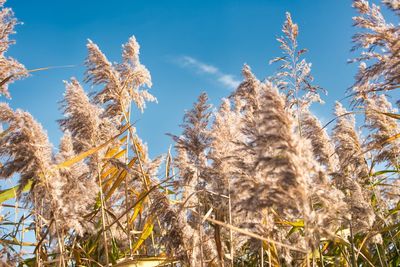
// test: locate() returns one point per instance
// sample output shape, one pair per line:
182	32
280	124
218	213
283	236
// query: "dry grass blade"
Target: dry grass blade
146	262
92	151
381	144
256	236
11	193
8	78
146	232
138	201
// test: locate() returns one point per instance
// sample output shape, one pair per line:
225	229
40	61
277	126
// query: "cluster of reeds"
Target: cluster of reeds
257	182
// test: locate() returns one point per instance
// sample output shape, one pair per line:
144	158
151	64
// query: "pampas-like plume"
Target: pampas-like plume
274	174
178	233
348	146
28	152
121	82
278	170
189	183
353	173
247	98
380	43
225	135
25	147
84	119
270	139
100	71
382	128
191	161
195	137
322	191
294	77
246	94
10	69
191	146
323	149
79	189
135	75
392	4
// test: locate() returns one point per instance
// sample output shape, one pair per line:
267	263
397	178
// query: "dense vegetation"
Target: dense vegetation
259	182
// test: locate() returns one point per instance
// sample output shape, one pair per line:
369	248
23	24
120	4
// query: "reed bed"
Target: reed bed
259	181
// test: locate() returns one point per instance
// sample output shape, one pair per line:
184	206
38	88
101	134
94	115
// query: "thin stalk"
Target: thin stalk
143	174
269	245
313	259
254	235
296	84
379	255
103	219
321	257
127	120
153	243
37	234
72	249
136	150
16	212
393	240
60	241
262	254
230	221
269	256
126	185
200	230
22	232
353	255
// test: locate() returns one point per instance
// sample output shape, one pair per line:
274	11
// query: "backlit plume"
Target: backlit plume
11	69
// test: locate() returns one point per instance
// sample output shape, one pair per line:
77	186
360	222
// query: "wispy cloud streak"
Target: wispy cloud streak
226	80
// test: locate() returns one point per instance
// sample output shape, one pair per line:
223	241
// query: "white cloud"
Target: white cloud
227	80
189	61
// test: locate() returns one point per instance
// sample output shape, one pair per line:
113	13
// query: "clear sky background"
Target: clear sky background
189	46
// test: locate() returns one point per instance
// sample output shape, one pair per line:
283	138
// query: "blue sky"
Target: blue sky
188	46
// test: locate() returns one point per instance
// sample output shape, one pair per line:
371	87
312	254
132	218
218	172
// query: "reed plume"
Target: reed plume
270	140
294	77
379	44
25	146
392	4
322	146
382	127
83	119
11	69
28	153
86	123
353	173
191	161
79	190
121	82
224	137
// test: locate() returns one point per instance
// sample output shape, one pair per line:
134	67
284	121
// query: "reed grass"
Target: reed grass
257	182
